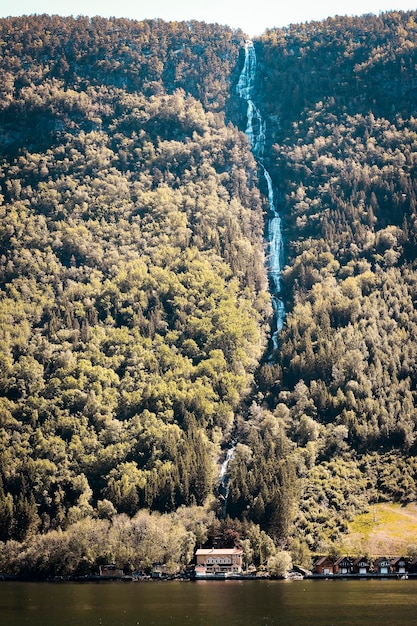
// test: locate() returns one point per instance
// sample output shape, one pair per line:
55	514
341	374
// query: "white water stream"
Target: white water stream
255	131
224	482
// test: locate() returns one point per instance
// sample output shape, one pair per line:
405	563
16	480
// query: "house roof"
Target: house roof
343	558
322	560
382	559
218	551
361	558
397	560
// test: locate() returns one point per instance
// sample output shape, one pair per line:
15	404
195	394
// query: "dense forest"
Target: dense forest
134	305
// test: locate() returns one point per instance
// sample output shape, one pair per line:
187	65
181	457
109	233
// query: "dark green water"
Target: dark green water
237	603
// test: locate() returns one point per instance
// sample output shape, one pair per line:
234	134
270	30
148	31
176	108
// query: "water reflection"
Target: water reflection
210	603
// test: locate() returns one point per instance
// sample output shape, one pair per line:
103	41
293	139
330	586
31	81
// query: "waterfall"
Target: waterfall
224	481
255	131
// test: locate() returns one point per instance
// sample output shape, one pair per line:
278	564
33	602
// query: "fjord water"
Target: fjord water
210	603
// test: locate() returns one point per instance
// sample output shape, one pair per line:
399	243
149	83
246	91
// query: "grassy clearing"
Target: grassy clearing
388	529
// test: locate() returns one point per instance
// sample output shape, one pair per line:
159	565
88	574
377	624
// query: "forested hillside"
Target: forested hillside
134	310
340	97
134	301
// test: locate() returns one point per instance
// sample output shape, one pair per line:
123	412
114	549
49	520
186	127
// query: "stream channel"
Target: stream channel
255	131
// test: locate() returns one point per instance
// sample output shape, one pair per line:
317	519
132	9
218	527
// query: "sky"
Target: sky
252	16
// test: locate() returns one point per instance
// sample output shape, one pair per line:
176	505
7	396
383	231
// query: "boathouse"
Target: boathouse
324	566
399	565
110	571
343	565
361	565
382	565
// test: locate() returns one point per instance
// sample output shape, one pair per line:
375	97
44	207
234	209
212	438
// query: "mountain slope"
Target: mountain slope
134	298
340	100
133	283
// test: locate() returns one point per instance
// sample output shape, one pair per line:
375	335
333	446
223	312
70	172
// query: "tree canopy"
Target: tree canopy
134	304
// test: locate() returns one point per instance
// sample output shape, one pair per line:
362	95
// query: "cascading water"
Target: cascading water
224	482
255	131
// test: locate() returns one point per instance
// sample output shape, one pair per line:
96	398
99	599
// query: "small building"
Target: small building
343	565
324	566
382	565
361	565
159	570
399	565
156	571
218	561
110	571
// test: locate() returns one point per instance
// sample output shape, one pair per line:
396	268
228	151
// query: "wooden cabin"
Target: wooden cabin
361	565
324	566
343	565
110	571
399	565
382	565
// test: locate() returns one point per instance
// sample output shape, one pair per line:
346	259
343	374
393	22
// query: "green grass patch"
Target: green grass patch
387	529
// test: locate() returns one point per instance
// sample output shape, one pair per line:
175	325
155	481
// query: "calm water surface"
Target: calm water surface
211	603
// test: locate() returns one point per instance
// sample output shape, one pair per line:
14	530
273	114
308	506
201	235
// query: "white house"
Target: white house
218	561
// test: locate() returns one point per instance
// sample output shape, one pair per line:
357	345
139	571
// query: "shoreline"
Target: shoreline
133	579
370	576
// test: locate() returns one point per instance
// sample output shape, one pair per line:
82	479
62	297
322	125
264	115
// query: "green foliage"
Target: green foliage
135	544
280	564
134	307
133	289
342	155
263	479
